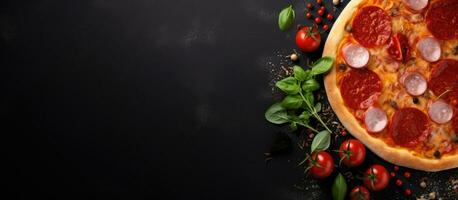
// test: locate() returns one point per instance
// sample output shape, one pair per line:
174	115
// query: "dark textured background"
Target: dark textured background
143	99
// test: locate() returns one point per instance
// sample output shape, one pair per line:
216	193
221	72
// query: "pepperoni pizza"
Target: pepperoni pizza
394	84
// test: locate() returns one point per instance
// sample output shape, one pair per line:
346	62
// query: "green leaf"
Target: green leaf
299	73
310	98
305	115
292	102
322	65
310	85
339	188
293	126
286	18
318	107
288	85
276	114
321	141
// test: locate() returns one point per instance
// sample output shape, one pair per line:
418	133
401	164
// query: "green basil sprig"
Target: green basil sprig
286	18
321	141
299	99
339	188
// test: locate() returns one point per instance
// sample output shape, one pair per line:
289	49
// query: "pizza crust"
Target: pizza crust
396	155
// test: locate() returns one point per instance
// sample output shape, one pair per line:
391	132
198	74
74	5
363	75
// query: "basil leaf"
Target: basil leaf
305	115
276	114
321	141
310	98
292	102
318	107
288	85
322	65
299	73
293	126
310	85
286	18
339	188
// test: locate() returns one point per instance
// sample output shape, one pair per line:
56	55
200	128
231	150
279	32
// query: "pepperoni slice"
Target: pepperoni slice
372	26
399	48
416	5
408	127
444	76
360	88
442	19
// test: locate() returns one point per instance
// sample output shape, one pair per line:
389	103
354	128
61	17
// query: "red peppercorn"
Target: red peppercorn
396	168
308	15
329	16
407	174
408	192
325	27
309	6
392	174
320	12
344	133
323	8
398	182
318	20
319	1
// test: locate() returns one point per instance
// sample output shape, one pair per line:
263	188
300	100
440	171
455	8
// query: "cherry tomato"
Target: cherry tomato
325	27
344	133
329	16
309	6
407	174
308	15
320	12
319	1
392	174
376	177
352	152
360	193
308	39
396	168
321	164
318	20
323	8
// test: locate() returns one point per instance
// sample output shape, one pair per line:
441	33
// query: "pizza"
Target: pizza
394	83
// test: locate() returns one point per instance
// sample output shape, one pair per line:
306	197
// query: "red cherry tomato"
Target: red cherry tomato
308	39
308	15
319	1
392	174
376	177
396	168
329	17
323	8
360	193
352	152
325	27
309	6
398	182
320	12
318	20
321	164
407	174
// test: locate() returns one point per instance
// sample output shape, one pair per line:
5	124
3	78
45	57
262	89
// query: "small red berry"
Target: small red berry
319	1
309	15
309	6
407	174
408	192
320	12
325	27
396	168
398	182
329	16
344	133
318	20
323	8
392	174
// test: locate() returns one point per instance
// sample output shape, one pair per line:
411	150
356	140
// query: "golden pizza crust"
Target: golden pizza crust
396	155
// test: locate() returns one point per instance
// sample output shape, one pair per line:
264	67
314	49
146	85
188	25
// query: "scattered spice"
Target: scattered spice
423	184
336	2
348	28
432	195
394	104
293	57
415	100
407	174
